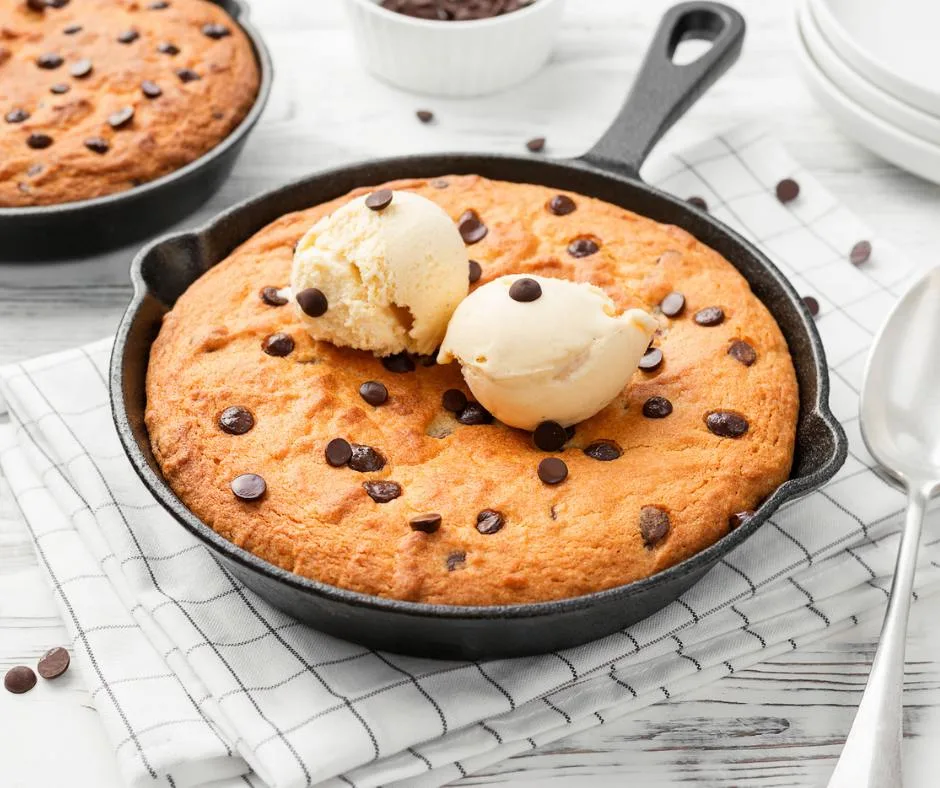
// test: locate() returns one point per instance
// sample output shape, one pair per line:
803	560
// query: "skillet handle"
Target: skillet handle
663	90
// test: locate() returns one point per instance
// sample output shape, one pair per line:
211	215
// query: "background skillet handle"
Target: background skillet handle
663	91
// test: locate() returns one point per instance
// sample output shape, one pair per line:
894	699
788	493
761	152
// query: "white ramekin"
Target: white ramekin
454	58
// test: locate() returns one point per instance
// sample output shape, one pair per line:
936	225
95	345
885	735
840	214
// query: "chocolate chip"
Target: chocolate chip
549	436
382	492
426	523
561	205
582	247
476	271
187	75
489	521
365	459
379	200
338	452
654	525
49	61
81	68
16	116
374	392
812	305
248	487
473	413
425	116
236	420
471	229
215	31
553	470
860	252
121	118
657	408
605	451
743	352
739	518
726	423
150	89
698	202
455	560
525	290
788	190
36	5
278	344
166	48
19	680
272	296
128	37
454	400
400	362
54	663
38	141
312	301
673	304
97	145
59	88
440	183
652	358
710	316
429	360
71	30
158	5
536	145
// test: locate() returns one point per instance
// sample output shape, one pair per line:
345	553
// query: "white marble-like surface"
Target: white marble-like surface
780	723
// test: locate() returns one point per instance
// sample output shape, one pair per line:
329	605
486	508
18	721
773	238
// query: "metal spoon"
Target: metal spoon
900	418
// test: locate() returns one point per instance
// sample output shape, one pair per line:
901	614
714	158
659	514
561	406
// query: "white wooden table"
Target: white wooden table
779	723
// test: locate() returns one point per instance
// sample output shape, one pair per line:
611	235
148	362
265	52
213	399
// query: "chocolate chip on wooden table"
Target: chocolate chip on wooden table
860	252
657	408
475	272
582	247
272	296
455	560
426	523
119	119
215	30
379	200
473	413
128	37
166	48
603	450
673	304
49	60
654	525
365	459
743	352
738	519
54	663
454	400
187	75
471	228
59	88
698	202
71	30
278	344
152	90
236	420
16	116
19	680
549	436
525	290
726	423
710	316
400	362
38	141
338	452
81	68
248	487
552	470
312	302
489	521
561	205
374	392
382	491
424	115
36	5
787	190
812	305
651	359
97	145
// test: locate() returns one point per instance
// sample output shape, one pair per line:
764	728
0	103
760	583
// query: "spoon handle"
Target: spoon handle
871	757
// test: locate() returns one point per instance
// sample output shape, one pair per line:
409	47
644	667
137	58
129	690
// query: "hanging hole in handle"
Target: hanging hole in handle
693	37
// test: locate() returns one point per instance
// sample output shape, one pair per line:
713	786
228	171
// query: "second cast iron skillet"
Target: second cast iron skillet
662	92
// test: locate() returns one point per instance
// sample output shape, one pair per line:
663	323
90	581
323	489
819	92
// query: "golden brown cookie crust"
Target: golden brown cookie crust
557	541
188	119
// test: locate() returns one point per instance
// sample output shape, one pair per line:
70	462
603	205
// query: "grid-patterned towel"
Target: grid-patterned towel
199	681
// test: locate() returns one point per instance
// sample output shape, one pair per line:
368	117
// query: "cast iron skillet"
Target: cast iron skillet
88	226
163	270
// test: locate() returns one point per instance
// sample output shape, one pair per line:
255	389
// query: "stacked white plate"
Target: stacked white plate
875	66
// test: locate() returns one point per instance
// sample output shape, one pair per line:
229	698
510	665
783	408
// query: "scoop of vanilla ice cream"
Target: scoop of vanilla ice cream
391	278
561	357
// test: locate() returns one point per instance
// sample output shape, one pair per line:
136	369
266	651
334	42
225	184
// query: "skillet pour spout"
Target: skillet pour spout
663	91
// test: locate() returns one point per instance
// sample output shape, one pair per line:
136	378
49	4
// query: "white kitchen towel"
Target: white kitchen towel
200	682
